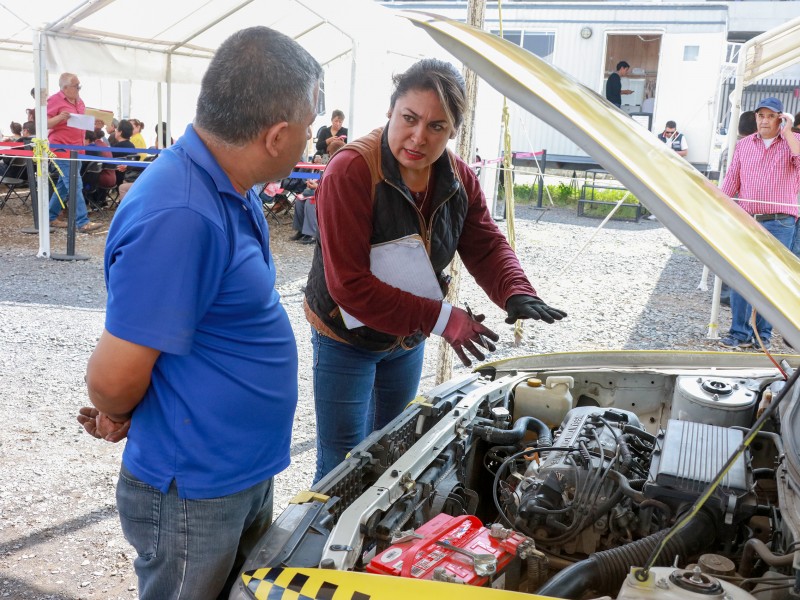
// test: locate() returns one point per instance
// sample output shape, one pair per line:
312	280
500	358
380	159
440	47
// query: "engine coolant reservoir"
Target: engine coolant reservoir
548	401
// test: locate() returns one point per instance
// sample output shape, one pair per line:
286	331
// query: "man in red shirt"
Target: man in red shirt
60	106
765	176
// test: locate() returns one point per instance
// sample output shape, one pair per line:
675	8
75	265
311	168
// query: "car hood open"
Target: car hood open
722	235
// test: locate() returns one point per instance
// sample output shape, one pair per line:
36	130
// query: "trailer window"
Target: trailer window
691	53
540	43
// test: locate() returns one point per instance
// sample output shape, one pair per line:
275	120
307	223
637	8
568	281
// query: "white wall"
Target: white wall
686	91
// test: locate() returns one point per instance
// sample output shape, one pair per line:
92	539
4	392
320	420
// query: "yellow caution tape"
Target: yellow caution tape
41	148
419	400
327	584
308	496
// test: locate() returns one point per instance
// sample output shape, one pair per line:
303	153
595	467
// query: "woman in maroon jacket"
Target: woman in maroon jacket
400	182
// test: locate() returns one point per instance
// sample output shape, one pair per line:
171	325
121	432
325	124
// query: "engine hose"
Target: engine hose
626	458
604	572
640	433
753	547
513	436
664	508
625	486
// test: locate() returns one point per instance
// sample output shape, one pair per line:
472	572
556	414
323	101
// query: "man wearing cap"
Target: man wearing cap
764	175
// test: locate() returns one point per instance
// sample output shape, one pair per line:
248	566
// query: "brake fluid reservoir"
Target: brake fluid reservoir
721	401
548	401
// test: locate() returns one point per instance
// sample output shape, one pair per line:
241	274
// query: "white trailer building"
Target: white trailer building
676	52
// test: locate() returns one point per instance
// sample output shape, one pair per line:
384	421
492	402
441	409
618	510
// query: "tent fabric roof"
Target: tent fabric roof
123	38
770	52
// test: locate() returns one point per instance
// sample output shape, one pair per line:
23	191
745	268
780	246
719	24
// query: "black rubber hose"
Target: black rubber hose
604	572
515	435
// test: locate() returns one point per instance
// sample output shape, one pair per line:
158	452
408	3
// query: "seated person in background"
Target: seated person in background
125	174
676	140
88	140
100	183
16	132
31	112
272	192
648	105
111	128
334	146
327	134
137	138
161	136
305	212
27	131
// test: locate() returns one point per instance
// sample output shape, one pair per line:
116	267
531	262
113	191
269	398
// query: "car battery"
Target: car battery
441	548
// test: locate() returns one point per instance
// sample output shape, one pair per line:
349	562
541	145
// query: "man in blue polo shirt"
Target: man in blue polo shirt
197	363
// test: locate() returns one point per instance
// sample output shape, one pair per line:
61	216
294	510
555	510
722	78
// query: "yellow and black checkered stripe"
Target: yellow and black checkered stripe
327	584
291	584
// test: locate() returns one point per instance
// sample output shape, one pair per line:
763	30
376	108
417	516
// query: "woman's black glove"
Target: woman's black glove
523	306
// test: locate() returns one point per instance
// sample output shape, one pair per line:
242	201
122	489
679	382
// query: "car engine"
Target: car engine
559	482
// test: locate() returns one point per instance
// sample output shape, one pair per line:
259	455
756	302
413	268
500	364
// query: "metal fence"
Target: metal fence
786	90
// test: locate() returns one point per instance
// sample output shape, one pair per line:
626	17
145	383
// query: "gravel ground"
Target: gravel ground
634	288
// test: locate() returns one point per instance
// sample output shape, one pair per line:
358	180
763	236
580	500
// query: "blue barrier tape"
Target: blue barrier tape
105	149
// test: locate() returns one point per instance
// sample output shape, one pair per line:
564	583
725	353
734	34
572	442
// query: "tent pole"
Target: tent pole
159	133
169	96
465	147
40	95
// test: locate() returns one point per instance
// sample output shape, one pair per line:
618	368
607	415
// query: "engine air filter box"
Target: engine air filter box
688	457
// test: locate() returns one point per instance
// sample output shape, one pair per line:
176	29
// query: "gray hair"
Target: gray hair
257	78
65	79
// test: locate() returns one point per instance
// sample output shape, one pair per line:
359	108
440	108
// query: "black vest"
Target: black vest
676	142
395	215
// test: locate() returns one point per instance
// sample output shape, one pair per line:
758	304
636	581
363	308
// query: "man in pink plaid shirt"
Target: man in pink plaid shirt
765	176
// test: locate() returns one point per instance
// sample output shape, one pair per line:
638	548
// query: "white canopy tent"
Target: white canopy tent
359	43
759	57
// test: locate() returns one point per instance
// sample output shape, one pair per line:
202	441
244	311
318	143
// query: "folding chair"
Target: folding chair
14	183
281	202
90	176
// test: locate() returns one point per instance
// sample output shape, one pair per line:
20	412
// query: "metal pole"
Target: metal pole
32	189
72	208
160	135
72	202
540	194
465	147
40	96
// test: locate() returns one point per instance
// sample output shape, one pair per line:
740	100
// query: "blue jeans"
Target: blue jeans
357	392
190	549
784	231
796	241
62	187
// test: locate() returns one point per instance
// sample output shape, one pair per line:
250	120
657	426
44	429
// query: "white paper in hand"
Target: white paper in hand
404	264
81	121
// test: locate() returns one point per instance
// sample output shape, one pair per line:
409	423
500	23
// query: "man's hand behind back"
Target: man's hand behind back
98	425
